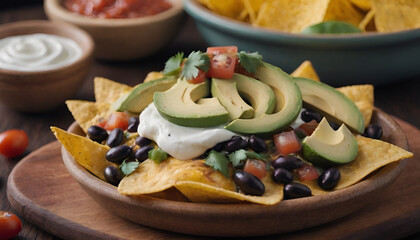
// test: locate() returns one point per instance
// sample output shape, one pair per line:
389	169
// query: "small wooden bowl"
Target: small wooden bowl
123	39
40	91
240	220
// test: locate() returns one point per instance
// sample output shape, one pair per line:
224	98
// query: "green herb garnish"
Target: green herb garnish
195	61
219	162
157	155
173	65
238	157
332	27
129	167
250	61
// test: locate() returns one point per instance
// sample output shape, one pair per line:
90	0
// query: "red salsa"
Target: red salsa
117	8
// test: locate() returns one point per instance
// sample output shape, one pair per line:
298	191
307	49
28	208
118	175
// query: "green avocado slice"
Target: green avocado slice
184	104
288	104
141	95
333	104
326	147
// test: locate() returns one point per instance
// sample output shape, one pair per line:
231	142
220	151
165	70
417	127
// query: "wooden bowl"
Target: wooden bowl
40	91
123	39
239	220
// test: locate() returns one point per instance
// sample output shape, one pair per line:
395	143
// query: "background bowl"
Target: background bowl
40	91
248	220
123	39
376	58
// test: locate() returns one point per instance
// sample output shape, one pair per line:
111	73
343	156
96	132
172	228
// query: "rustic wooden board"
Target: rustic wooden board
43	192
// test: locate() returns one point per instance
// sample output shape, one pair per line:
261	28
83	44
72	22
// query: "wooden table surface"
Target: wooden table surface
399	99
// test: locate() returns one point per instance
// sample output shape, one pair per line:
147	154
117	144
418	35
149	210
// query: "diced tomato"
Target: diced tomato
222	61
307	172
287	143
256	167
309	127
102	124
117	120
201	77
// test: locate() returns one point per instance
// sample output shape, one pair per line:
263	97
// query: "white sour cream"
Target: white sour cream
37	52
180	142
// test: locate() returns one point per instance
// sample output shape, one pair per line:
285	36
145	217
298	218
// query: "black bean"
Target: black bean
219	147
282	175
115	138
119	153
373	131
133	123
309	115
142	141
334	125
113	175
248	183
288	162
296	190
329	178
142	153
235	143
97	133
257	144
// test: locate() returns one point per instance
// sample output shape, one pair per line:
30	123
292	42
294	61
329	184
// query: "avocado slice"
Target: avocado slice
288	104
179	105
326	147
258	94
225	90
333	104
141	95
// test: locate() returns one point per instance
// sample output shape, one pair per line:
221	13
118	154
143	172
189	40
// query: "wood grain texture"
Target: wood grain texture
58	205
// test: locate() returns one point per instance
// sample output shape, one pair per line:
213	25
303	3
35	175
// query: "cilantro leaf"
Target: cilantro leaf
173	65
219	162
157	155
129	167
250	61
238	157
195	61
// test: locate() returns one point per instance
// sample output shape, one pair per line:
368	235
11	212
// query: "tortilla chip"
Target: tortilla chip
252	8
363	97
228	8
343	10
306	70
107	91
88	153
396	15
153	76
88	113
362	4
368	22
373	154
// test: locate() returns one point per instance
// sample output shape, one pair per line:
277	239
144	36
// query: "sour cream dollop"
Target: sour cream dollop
180	142
37	52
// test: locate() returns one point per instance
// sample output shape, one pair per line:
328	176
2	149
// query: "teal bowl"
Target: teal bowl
375	58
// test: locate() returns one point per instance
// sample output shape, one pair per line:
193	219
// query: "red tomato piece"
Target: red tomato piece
287	143
222	61
309	127
13	142
256	168
10	225
307	173
117	120
201	77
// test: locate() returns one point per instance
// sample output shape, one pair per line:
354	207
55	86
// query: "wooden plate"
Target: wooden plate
243	219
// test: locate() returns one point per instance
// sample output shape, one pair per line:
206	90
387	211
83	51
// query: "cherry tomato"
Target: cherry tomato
117	120
256	168
201	77
10	225
222	61
309	127
13	142
287	143
307	172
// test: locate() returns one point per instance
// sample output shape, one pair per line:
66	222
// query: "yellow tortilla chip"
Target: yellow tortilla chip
107	91
368	23
89	154
396	15
343	10
306	70
228	8
363	97
88	113
153	76
362	4
252	8
373	154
